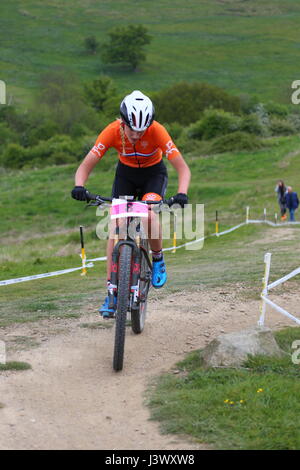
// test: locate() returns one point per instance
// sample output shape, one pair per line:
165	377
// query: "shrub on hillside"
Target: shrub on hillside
58	150
215	122
294	120
6	135
79	130
234	142
14	156
187	145
13	119
262	115
42	131
185	102
126	45
277	109
252	124
99	91
91	44
61	97
248	103
281	127
174	129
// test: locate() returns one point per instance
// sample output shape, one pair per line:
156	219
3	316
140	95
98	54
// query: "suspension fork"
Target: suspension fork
135	270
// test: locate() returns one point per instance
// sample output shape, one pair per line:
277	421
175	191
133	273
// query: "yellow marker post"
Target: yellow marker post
247	214
83	256
174	233
217	224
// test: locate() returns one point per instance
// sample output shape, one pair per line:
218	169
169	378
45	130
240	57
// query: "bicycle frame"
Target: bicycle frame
137	252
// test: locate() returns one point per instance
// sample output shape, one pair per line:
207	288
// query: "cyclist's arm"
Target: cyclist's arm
172	153
102	144
183	171
85	168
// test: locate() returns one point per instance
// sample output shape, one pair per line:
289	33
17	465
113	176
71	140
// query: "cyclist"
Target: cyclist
140	142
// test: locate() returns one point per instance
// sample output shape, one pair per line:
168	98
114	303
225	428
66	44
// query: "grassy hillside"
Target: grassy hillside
38	200
40	222
245	47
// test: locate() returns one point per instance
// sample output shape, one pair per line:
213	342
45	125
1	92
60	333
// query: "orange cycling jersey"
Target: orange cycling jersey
146	152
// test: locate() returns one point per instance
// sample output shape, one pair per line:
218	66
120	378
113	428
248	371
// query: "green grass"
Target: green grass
31	205
58	297
230	259
252	408
245	47
15	365
40	231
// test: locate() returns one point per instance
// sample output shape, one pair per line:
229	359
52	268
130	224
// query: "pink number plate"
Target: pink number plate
121	208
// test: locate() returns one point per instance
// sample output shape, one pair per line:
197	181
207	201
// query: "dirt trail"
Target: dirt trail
72	399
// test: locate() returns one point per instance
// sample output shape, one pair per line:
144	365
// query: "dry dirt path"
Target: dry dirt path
72	399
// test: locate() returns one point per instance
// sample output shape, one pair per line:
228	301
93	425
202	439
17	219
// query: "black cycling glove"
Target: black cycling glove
180	199
79	193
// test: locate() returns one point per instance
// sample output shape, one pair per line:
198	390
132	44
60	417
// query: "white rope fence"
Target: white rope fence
267	287
43	275
89	263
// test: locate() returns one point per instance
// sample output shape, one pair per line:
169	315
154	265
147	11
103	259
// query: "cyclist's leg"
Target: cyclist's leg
154	231
121	187
158	184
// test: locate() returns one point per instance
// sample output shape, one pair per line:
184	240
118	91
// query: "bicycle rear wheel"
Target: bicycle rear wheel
122	305
138	315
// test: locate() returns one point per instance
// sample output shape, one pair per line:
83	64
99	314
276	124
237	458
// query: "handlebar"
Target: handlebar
97	198
101	199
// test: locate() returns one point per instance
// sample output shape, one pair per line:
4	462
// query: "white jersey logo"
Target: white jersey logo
170	148
98	149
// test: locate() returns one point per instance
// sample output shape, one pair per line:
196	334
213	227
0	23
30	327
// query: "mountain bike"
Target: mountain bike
131	267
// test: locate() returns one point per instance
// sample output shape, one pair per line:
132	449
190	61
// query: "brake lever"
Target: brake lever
92	204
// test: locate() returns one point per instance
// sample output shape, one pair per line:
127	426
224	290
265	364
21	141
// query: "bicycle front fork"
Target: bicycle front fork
135	272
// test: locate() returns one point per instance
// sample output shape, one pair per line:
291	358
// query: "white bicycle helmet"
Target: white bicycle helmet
137	111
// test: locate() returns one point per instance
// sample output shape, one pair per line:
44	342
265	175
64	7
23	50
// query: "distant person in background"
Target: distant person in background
281	197
292	202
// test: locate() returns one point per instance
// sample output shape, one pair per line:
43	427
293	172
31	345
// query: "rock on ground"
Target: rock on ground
232	349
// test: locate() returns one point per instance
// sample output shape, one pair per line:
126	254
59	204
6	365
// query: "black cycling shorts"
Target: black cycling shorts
136	182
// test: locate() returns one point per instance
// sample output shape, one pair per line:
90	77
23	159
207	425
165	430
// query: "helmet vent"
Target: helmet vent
137	111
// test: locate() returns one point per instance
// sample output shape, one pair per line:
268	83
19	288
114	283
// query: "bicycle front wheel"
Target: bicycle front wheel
122	305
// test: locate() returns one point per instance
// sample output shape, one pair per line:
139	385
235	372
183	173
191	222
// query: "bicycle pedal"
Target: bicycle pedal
111	316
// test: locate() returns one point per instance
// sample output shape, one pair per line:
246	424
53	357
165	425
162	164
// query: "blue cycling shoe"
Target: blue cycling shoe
159	273
107	312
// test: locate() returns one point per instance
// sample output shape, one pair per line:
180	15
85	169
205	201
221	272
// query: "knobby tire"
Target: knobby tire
124	275
138	316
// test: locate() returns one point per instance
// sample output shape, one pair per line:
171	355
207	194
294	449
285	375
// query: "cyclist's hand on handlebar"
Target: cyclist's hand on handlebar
180	198
79	193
